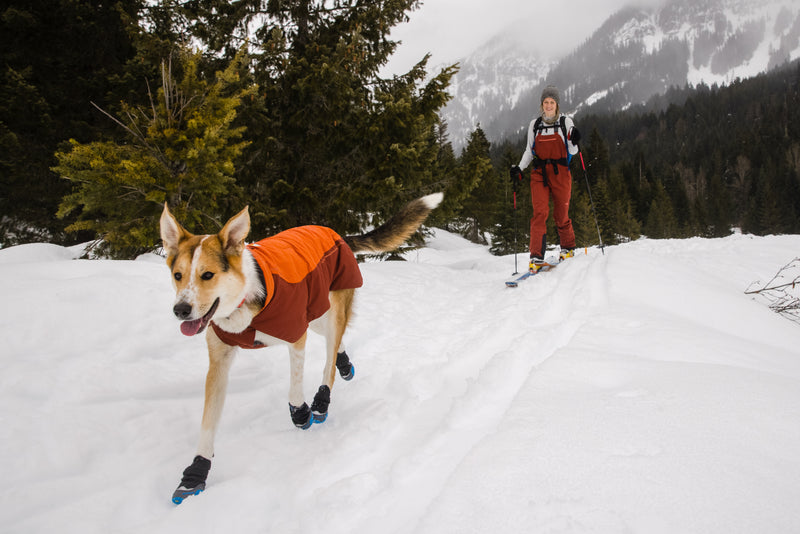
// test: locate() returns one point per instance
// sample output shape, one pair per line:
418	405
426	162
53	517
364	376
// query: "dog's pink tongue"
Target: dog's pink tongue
190	328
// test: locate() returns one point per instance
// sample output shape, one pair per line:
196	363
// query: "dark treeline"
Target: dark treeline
724	156
108	111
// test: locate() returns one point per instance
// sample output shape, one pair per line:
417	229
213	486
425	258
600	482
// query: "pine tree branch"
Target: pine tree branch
113	118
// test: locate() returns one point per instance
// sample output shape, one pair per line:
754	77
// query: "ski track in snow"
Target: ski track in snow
602	396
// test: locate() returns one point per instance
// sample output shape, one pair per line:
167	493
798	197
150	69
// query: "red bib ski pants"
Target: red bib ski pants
550	177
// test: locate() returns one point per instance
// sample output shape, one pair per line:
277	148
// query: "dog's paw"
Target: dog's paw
301	416
194	479
319	408
346	369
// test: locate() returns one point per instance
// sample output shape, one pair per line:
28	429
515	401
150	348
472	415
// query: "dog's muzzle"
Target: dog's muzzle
183	311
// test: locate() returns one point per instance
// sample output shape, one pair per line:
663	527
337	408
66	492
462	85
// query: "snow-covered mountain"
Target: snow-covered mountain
635	54
493	78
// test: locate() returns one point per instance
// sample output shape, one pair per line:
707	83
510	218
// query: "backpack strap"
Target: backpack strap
563	122
537	126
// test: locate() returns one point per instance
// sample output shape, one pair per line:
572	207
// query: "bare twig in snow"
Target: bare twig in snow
782	292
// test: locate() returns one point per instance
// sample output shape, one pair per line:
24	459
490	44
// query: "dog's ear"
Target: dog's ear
234	232
171	232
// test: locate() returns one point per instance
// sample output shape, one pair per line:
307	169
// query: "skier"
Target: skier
552	141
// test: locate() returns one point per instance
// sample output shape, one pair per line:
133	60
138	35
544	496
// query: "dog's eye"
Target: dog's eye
208	275
178	276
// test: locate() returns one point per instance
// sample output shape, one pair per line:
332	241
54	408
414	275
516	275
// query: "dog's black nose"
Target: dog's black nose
182	310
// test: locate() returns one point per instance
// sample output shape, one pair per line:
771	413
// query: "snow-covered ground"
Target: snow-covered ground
638	391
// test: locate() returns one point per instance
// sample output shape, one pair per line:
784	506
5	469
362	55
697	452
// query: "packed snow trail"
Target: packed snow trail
638	390
464	381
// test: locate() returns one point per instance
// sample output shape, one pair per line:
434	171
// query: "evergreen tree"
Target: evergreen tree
182	150
603	205
686	225
597	157
661	222
637	176
598	170
765	214
476	187
719	210
511	230
331	140
617	208
56	56
444	179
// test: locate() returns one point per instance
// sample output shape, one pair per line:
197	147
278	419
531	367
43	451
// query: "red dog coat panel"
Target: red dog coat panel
300	265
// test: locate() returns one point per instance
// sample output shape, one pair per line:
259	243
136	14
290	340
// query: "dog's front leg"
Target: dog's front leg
220	358
298	409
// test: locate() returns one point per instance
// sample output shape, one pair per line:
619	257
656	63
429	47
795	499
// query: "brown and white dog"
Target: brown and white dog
269	293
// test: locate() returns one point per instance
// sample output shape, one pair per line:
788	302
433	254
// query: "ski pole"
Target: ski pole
591	201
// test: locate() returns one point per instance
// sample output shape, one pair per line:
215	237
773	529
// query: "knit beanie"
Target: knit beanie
551	91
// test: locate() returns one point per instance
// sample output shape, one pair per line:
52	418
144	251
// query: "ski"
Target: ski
546	267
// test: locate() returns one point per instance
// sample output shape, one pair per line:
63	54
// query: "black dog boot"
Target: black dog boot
194	479
346	369
301	416
319	408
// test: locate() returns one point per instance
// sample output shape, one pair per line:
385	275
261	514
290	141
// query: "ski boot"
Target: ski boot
536	264
566	253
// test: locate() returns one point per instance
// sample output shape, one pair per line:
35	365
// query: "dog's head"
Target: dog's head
206	270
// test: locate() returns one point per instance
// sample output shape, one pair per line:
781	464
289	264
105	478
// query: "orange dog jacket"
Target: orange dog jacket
300	265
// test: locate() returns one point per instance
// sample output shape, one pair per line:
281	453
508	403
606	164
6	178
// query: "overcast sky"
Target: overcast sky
452	29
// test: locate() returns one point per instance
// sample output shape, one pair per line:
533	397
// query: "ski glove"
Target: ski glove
575	136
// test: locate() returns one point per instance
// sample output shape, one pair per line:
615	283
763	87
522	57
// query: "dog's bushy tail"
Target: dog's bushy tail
394	232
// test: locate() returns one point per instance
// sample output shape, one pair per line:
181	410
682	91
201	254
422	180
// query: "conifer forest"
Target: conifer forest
109	109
